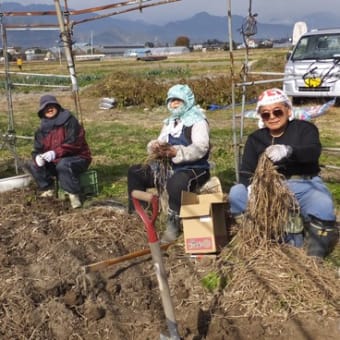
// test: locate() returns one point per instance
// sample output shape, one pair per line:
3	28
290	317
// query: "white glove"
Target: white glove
48	156
39	161
249	189
277	152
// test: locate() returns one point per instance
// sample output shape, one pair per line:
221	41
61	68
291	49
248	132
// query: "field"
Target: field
44	245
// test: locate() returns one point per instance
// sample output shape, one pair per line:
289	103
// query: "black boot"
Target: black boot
172	228
321	237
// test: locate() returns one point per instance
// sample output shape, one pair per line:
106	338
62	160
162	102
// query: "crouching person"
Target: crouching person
294	147
60	151
183	145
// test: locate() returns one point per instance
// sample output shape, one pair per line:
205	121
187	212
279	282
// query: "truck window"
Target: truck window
318	46
300	49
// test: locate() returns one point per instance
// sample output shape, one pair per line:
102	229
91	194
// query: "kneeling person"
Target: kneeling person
294	147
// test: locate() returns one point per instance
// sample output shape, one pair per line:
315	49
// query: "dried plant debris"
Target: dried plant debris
46	294
265	276
269	208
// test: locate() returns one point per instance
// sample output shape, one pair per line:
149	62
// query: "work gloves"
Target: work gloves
278	152
39	161
48	156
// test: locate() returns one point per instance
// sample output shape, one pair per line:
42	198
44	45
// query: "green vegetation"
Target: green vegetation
213	282
139	89
118	137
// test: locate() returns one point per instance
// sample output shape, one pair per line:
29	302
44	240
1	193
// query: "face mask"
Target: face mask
177	111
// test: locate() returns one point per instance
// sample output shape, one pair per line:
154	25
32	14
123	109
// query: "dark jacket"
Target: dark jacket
185	140
64	135
302	136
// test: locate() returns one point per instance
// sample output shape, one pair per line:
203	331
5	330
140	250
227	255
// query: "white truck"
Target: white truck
313	66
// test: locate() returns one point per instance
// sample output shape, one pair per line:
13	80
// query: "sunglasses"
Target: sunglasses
267	114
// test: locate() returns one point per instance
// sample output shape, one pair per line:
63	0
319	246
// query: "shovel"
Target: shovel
149	222
97	266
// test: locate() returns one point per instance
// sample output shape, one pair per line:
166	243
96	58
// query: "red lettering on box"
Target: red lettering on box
199	243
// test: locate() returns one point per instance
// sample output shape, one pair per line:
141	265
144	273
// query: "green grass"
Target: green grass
116	143
213	282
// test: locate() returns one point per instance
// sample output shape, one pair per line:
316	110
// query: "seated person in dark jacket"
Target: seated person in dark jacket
60	150
294	146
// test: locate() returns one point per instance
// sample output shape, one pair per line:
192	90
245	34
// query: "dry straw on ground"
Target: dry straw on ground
267	277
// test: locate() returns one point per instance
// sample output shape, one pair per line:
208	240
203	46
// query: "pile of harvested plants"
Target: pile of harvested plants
265	276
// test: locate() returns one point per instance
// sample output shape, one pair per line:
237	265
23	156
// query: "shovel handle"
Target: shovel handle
97	266
149	222
142	195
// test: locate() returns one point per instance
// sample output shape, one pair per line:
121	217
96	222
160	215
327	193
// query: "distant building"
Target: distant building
168	51
197	47
137	52
156	51
35	53
118	50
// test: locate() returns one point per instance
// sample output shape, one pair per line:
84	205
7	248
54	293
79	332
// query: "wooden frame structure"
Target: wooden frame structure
65	25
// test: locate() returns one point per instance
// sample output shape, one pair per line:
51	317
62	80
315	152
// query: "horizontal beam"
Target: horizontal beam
79	12
38	27
40	85
36	74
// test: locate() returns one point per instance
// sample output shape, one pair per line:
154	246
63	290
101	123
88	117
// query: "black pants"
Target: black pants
67	170
141	177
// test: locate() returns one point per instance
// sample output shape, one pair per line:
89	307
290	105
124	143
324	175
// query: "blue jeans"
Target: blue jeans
67	170
312	195
295	240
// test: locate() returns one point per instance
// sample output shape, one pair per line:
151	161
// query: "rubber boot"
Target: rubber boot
321	238
239	219
172	228
48	193
74	200
294	230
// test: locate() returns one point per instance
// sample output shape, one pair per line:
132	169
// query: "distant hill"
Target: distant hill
113	30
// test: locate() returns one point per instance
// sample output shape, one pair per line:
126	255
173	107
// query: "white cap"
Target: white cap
272	96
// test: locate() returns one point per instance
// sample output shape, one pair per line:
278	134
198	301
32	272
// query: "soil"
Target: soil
46	293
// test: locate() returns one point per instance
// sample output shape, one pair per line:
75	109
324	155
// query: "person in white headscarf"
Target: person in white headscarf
184	141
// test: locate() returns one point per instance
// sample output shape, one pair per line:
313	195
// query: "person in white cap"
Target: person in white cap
294	147
60	151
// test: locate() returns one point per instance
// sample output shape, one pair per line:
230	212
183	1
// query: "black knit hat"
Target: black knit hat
45	100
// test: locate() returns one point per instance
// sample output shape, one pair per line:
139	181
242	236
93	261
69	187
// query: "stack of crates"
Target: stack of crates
88	184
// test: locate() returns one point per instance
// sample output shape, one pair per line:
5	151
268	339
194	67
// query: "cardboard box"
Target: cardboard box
204	222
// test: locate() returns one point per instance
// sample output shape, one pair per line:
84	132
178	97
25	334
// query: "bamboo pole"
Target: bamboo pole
66	39
234	127
10	139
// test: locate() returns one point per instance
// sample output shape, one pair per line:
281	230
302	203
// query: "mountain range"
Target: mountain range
115	31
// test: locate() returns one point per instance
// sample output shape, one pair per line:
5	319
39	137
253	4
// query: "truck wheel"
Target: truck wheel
296	101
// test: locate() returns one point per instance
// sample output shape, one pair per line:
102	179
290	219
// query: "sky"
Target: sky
269	11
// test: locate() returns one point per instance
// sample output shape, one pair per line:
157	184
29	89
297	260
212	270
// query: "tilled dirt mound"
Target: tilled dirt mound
46	294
